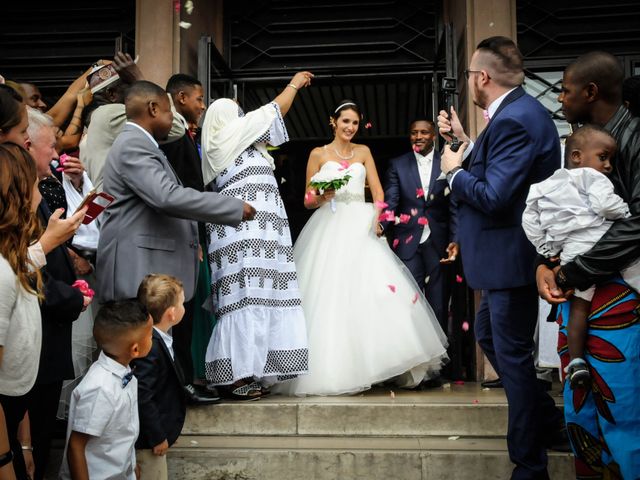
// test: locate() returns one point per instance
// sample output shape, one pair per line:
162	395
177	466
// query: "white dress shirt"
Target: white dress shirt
425	167
145	132
167	339
491	111
103	408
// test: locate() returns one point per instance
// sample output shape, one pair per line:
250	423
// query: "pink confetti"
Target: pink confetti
396	242
423	221
458	382
414	212
465	326
475	401
61	161
415	298
381	205
343	165
176	5
83	286
416	149
459	279
408	239
387	216
404	218
368	125
419	192
392	288
307	196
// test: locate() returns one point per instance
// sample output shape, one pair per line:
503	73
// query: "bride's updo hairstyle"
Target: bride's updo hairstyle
343	105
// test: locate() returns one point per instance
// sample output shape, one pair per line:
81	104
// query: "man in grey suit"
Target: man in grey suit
151	226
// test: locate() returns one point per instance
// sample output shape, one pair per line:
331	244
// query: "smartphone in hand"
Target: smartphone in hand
96	203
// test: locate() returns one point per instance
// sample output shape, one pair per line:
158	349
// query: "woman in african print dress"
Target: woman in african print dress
260	336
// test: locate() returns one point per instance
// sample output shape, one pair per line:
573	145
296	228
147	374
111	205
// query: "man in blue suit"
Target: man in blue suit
518	147
414	187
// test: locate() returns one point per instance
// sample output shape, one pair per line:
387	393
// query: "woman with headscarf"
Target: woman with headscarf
260	336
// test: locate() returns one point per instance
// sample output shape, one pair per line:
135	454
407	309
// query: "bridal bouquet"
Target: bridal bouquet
324	180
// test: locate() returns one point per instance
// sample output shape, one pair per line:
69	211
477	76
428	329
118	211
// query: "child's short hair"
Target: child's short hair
578	139
158	292
117	318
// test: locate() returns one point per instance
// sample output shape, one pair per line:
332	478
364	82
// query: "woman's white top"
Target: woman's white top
20	334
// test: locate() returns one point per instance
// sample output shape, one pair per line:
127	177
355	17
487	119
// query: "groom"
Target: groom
413	188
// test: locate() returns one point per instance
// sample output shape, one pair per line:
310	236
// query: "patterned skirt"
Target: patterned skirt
603	421
260	331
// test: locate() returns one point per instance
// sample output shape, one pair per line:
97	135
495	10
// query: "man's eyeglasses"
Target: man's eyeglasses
468	72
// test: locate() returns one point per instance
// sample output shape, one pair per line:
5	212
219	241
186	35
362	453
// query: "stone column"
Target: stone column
157	39
473	21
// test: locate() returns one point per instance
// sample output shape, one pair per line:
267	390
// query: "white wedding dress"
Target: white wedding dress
366	319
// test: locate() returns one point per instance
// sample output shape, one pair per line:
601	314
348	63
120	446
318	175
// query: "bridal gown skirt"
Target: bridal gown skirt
366	319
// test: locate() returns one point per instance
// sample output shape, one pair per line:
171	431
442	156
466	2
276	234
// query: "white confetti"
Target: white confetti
447	191
454	437
185	25
193	442
188	6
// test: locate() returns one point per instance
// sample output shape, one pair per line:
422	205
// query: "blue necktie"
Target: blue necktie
127	378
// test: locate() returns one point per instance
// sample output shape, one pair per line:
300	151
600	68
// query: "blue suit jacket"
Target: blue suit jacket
519	147
402	181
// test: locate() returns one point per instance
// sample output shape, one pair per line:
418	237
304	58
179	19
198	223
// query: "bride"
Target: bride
367	320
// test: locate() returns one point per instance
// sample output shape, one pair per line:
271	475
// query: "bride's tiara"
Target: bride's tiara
344	105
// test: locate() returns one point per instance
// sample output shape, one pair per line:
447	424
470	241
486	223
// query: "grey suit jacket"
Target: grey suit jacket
150	227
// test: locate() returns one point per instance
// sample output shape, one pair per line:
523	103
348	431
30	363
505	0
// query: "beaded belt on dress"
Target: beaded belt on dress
348	197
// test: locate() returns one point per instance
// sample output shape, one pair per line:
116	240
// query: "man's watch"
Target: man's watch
449	175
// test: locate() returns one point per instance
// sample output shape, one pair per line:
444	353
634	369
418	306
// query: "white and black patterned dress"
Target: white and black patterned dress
260	330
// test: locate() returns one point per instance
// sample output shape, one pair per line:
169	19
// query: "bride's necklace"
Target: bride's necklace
344	158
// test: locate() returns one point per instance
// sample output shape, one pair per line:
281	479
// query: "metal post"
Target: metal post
204	66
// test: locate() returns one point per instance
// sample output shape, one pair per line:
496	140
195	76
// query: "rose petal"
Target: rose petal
404	218
414	212
381	205
475	401
459	279
415	298
458	382
396	242
423	221
419	192
408	239
368	125
392	288
465	326
344	164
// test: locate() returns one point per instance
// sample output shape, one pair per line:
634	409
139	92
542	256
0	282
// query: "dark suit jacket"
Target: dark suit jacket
402	181
161	401
61	306
518	147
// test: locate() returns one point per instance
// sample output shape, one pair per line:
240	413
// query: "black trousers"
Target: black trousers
14	410
182	333
43	403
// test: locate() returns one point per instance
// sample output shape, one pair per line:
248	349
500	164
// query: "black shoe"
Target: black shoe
198	397
497	383
430	384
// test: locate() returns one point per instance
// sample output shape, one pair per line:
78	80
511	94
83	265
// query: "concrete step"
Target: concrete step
347	458
466	410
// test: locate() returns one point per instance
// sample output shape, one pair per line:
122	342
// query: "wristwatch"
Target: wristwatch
450	173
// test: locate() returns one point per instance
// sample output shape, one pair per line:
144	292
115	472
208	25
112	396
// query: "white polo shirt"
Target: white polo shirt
103	408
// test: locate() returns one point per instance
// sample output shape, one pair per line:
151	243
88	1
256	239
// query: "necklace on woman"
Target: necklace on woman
344	158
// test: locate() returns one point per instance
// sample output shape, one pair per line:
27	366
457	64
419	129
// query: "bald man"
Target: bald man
151	226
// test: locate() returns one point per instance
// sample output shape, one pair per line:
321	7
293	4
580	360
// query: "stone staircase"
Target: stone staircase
454	433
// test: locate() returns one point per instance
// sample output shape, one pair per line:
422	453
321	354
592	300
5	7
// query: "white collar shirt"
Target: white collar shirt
153	140
107	411
425	167
167	339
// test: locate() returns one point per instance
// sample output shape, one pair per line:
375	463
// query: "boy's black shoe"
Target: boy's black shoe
200	396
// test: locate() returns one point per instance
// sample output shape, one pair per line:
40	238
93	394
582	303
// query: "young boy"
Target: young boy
567	214
160	380
103	415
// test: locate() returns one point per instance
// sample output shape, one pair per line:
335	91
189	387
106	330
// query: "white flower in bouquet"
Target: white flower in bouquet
326	180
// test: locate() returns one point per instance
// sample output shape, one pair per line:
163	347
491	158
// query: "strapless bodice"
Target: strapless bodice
353	191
